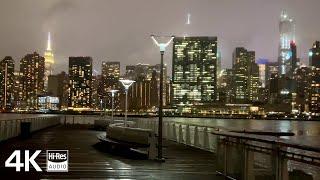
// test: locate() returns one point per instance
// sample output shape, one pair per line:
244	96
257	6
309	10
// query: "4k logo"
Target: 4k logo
27	160
57	160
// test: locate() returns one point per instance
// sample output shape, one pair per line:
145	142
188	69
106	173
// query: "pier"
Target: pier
190	150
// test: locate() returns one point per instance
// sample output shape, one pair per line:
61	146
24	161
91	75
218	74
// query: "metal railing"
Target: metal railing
11	128
85	119
244	156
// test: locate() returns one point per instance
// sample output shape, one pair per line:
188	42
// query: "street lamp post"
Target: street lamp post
162	47
113	92
126	84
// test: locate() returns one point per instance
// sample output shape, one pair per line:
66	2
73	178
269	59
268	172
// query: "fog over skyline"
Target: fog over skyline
119	30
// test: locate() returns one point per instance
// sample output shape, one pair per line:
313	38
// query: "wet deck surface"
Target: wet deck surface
88	158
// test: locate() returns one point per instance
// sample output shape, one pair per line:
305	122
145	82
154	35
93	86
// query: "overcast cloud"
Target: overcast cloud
119	30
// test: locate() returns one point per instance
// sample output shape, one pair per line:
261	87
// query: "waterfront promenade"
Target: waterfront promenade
193	148
90	159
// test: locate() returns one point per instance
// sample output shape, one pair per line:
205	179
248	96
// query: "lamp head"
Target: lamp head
113	92
126	83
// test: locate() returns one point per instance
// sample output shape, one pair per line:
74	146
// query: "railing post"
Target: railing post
6	130
196	137
188	141
205	138
180	134
248	163
279	164
174	132
169	131
225	157
152	151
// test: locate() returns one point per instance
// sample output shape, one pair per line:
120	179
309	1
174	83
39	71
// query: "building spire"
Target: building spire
49	42
188	19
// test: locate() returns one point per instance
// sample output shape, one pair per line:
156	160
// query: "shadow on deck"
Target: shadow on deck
88	158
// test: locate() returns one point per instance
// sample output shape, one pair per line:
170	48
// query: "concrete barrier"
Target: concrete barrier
136	136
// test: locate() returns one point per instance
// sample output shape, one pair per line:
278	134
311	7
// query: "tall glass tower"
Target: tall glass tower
194	69
49	61
80	83
287	37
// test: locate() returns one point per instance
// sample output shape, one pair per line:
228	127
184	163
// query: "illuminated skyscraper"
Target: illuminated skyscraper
7	82
287	38
147	72
111	69
314	55
49	61
32	67
302	77
18	89
80	81
58	87
262	63
110	75
194	69
246	76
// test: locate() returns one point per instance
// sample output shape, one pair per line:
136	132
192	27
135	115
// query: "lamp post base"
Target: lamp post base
160	160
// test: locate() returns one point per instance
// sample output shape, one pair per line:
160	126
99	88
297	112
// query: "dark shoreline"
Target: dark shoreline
176	116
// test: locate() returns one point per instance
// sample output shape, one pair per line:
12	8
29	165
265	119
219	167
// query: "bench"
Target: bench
102	124
129	137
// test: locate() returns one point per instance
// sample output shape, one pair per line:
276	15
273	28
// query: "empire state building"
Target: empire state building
49	61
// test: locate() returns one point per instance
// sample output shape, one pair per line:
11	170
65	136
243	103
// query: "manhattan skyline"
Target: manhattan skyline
95	29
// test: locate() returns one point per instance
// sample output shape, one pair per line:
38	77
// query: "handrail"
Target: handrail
270	140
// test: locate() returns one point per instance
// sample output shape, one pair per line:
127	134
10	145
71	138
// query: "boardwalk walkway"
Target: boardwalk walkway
90	159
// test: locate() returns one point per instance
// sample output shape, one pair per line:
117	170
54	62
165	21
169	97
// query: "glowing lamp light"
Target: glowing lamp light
126	83
162	46
310	53
113	92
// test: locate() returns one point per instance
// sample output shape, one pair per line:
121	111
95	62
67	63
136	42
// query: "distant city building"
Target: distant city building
49	61
7	83
80	83
263	65
110	74
48	103
302	77
96	96
246	76
272	68
58	86
273	86
272	78
219	60
32	67
225	86
18	90
194	68
140	96
314	58
146	72
287	37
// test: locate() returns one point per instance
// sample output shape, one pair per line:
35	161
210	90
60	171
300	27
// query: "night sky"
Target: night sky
119	30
